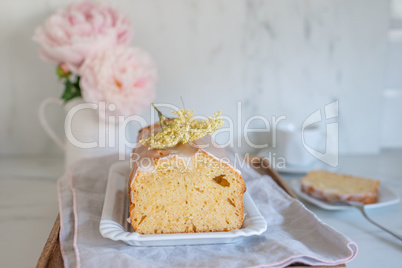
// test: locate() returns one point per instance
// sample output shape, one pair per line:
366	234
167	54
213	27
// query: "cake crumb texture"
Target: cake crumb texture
187	195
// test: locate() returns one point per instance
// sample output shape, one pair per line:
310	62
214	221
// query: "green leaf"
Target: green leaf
71	89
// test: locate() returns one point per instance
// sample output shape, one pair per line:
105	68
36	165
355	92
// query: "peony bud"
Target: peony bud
63	71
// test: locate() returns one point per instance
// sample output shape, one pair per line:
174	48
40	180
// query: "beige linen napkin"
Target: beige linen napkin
294	234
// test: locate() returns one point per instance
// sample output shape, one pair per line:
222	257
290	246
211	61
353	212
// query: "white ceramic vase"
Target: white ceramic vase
87	135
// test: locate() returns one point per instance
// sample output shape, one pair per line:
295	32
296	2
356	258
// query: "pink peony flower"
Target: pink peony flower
122	75
72	34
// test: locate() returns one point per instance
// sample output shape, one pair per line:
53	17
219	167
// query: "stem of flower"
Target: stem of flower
160	115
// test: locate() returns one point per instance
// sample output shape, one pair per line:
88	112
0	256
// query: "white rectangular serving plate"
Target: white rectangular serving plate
386	197
114	225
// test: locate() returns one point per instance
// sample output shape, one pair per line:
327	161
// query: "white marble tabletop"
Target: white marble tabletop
29	206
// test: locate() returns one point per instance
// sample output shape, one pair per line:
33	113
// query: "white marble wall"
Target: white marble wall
278	57
391	135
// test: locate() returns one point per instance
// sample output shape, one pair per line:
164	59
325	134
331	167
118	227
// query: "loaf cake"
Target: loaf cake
186	188
333	187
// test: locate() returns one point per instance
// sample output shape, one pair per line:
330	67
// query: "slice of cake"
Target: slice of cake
186	188
333	187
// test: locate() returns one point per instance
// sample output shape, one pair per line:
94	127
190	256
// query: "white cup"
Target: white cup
291	142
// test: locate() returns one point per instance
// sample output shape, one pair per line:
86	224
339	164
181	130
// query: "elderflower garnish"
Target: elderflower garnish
183	129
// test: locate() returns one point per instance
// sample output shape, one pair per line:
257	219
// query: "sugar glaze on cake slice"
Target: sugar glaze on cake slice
333	187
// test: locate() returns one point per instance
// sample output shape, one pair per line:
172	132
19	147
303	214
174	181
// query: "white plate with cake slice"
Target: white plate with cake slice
386	197
114	225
